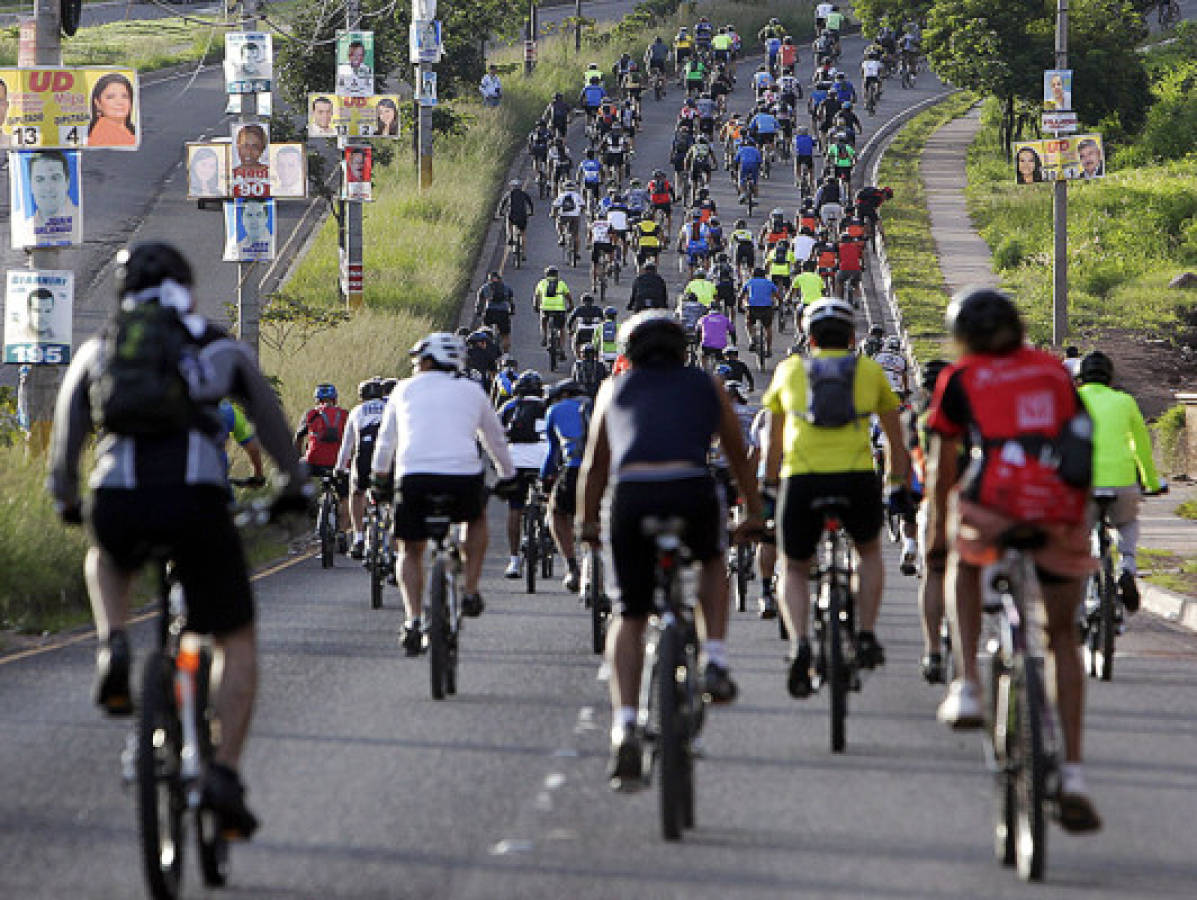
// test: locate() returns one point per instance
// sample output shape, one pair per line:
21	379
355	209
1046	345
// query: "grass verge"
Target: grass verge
1171	571
145	44
917	279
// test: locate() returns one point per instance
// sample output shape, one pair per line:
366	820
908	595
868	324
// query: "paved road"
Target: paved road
370	789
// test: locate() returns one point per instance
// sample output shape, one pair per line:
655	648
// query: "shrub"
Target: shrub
1008	255
1168	436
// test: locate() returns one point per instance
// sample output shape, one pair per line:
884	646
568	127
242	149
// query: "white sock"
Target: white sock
910	546
716	653
625	719
1072	778
515	560
359	536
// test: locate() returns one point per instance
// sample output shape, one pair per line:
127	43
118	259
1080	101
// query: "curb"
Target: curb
1170	606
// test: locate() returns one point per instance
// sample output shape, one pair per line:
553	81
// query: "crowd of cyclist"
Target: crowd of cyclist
657	414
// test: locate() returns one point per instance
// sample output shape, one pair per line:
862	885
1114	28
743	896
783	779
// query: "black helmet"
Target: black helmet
529	384
563	389
931	372
371	389
985	320
388	385
1097	367
653	336
877	331
148	265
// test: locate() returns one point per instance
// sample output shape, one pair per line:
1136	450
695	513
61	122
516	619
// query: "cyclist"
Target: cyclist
430	454
637	199
874	342
845	91
318	438
692	241
590	175
591	74
523	423
762	82
763	127
601	245
896	366
870	74
808	283
237	427
632	84
565	427
850	259
1122	462
781	261
582	321
495	305
743	243
700	162
656	57
683	47
649	438
716	332
482	356
707	112
909	48
834	23
775	228
649	290
841	157
648	242
758	298
357	450
723	275
589	371
695	75
662	195
804	243
703	32
702	289
592	98
747	162
560	164
772	28
819	444
616	148
171	490
721	46
1002	397
829	200
568	208
502	388
552	300
539	139
868	202
787	56
516	207
821	11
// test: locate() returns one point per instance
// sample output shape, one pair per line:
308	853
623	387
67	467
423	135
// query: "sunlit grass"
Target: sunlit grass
140	44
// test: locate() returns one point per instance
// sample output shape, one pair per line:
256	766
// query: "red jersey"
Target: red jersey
850	254
323	426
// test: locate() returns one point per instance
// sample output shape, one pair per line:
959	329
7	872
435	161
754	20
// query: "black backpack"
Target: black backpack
521	421
141	389
831	391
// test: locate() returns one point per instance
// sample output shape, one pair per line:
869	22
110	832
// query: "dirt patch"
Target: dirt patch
1152	369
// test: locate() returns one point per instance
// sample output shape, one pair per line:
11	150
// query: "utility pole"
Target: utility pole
249	304
43	381
577	26
352	209
424	11
1060	207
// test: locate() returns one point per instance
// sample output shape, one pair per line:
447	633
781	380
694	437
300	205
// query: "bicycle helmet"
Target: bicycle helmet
610	312
931	373
893	343
984	320
388	385
529	384
325	393
509	364
370	389
447	351
827	313
724	372
653	337
1097	367
563	389
481	336
514	183
876	332
552	272
147	265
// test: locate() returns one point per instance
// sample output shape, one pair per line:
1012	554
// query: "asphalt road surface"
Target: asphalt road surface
368	788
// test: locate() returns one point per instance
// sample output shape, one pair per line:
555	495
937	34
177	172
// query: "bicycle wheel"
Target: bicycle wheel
1000	731
328	537
213	847
1107	628
598	616
438	630
762	355
743	575
161	805
374	561
1030	772
671	754
546	549
837	670
531	551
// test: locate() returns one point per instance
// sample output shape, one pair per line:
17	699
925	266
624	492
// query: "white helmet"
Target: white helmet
827	308
445	349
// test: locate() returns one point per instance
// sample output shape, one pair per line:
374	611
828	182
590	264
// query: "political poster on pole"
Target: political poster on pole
1080	156
71	108
380	119
251	160
321	113
356	173
248	62
208	170
37	316
1057	89
355	63
288	171
46	197
332	116
425	40
249	227
427	95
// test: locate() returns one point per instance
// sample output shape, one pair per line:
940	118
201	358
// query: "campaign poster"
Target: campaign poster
427	95
1079	156
71	108
1090	156
288	171
46	195
250	175
37	316
248	62
322	110
356	171
248	230
425	41
208	170
1028	162
386	118
330	116
355	63
1057	89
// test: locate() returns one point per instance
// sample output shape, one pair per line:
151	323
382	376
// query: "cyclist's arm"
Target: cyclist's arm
548	468
943	454
490	430
772	449
897	457
592	477
348	444
72	425
231	364
1138	432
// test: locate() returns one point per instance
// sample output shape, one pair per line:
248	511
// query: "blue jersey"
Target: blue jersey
763	123
804	145
845	91
565	427
592	95
760	291
748	159
592	171
817	96
774	46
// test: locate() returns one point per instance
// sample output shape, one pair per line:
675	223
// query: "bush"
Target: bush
1168	436
1008	255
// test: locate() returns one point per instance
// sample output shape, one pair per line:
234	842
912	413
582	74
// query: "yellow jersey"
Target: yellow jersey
551	302
703	290
809	449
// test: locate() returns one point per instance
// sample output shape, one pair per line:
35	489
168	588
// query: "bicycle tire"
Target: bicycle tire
743	575
1031	773
161	805
531	552
761	355
374	558
594	599
671	753
1005	825
438	631
328	539
546	550
1107	629
213	847
837	670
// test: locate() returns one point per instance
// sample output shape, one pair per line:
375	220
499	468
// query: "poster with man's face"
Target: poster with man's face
355	63
288	171
251	160
356	172
37	316
1079	156
47	199
248	62
248	230
321	115
1057	89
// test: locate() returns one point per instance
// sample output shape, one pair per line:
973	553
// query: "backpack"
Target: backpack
323	429
567	203
521	421
141	389
831	391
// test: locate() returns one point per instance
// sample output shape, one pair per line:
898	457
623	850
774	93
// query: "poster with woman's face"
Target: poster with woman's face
207	170
1057	89
288	171
356	174
37	316
248	62
56	108
1028	162
251	160
47	199
248	230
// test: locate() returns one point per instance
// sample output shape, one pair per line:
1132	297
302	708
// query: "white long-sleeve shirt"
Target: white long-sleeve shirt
360	417
432	424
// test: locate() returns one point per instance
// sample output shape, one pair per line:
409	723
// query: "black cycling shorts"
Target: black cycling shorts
468	493
692	499
762	314
526	478
745	253
192	524
499	317
798	528
725	293
599	249
565	493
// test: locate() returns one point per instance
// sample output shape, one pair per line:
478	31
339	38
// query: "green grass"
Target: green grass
1128	235
917	279
144	45
1187	510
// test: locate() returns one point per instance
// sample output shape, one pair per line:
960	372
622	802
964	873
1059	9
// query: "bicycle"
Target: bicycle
909	73
380	551
536	545
516	243
1021	744
554	343
595	598
672	704
444	597
835	616
328	518
658	84
1102	610
542	179
872	95
758	343
740	571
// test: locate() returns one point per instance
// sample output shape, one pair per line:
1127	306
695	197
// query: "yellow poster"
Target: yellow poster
71	109
330	115
1078	156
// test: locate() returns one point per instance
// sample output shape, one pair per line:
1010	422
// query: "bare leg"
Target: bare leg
964	605
712	598
872	580
474	551
931	606
562	528
234	704
108	588
1060	601
411	577
357	511
795	598
625	652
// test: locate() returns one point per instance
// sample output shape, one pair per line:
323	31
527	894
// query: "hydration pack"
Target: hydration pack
831	391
